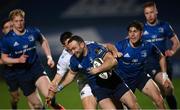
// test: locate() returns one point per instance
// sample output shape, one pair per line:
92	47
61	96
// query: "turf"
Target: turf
70	99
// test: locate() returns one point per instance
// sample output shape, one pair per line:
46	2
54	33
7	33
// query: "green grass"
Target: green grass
70	99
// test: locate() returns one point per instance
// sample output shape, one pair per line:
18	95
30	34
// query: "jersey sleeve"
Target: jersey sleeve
155	50
100	50
169	30
62	66
4	46
73	64
38	34
118	46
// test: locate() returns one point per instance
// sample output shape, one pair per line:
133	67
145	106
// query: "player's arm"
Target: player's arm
175	43
68	79
8	60
1	62
55	86
46	48
162	62
113	50
109	63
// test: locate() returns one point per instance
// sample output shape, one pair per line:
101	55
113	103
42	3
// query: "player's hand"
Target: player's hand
50	62
93	70
117	54
48	99
165	79
22	58
53	87
169	53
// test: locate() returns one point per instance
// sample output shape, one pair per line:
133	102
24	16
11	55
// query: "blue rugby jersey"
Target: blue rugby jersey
158	34
131	64
84	63
15	45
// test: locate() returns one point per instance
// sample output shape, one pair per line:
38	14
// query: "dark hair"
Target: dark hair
76	38
137	24
4	22
149	4
64	36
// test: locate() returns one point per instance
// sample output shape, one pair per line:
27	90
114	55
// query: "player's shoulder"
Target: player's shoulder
65	55
164	23
32	29
10	34
122	42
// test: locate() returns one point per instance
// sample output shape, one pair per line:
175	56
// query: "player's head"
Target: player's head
6	26
76	46
135	31
64	38
17	17
150	12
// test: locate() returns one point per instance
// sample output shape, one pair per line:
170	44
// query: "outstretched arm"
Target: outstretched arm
175	46
45	46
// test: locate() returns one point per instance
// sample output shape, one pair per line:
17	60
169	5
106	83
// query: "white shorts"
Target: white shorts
86	91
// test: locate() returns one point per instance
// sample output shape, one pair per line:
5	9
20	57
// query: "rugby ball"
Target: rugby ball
98	62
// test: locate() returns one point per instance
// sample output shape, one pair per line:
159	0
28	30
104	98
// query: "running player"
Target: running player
160	32
103	89
19	51
88	99
14	87
131	64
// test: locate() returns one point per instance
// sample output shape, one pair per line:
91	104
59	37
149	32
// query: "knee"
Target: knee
36	105
134	104
159	100
15	97
169	90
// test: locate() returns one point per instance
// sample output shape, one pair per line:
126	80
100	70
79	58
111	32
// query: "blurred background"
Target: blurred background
98	20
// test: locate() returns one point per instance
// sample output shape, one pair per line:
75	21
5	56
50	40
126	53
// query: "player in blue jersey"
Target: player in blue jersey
131	64
102	89
19	51
160	32
14	87
87	97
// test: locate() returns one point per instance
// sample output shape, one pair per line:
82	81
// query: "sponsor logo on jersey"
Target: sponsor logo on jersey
146	33
16	44
80	66
31	38
127	55
161	30
143	53
98	51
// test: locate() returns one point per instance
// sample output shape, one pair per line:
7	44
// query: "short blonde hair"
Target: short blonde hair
16	12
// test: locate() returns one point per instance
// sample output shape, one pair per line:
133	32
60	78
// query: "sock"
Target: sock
171	100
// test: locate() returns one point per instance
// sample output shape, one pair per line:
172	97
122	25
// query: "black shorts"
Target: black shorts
24	76
107	88
138	82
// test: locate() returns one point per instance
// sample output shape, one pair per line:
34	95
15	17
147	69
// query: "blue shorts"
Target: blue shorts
138	82
24	76
154	69
112	87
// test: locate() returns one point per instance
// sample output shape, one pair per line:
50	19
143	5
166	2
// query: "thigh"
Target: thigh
106	104
42	84
129	99
151	89
87	98
34	100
